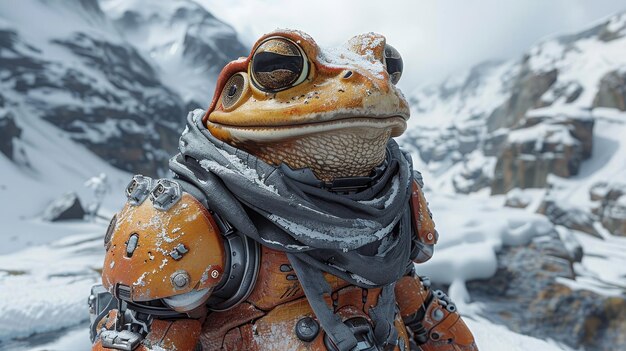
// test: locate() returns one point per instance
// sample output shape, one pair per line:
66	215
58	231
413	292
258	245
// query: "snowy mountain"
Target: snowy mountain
535	139
523	161
112	84
188	44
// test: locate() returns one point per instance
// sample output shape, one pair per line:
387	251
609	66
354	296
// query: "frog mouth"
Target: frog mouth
397	125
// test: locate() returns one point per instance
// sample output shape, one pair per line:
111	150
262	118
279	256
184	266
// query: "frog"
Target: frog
331	111
294	221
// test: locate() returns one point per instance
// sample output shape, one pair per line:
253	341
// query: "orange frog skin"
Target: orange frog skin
181	272
335	117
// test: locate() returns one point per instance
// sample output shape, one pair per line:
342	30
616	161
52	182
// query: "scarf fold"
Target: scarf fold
356	237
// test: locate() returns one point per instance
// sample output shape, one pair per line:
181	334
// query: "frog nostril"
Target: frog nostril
347	75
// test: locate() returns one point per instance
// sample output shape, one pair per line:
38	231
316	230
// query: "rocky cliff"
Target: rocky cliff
542	134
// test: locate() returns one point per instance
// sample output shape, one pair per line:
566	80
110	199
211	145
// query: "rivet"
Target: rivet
180	279
215	273
430	236
437	314
307	329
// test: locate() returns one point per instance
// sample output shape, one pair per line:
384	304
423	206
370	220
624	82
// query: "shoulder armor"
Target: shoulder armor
423	224
162	244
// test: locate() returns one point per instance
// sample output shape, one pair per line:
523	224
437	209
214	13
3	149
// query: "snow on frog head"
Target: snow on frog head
330	110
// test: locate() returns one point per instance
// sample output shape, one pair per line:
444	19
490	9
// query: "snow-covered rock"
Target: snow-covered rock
516	198
611	208
66	207
500	108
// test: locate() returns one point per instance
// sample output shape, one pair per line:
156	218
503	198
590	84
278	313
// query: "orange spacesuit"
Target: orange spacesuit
292	223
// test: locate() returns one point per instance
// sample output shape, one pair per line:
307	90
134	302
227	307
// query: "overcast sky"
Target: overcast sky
435	37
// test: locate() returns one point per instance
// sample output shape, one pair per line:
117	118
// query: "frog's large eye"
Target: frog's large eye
393	62
234	89
278	64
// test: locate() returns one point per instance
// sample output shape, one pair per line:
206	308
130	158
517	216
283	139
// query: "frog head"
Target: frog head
330	110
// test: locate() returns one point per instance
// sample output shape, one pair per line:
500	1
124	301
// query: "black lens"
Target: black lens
394	64
277	64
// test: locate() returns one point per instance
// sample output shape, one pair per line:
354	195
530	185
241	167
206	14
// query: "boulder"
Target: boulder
67	207
612	91
517	199
529	296
572	217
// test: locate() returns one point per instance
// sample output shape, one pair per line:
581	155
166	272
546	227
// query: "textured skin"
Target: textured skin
298	126
340	153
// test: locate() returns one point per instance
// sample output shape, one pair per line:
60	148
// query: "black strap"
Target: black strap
315	287
383	315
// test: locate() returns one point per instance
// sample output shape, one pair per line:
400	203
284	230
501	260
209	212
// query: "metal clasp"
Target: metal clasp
165	194
138	189
120	340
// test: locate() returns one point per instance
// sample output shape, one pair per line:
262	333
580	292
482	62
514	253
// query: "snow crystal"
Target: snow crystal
239	168
360	279
356	236
342	57
140	281
289	246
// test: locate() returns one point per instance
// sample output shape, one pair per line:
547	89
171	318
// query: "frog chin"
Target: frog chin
336	149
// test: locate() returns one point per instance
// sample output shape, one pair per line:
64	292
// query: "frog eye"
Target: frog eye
278	64
393	62
234	89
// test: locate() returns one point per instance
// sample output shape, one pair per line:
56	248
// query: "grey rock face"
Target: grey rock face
525	95
134	124
140	137
9	130
101	90
612	91
542	146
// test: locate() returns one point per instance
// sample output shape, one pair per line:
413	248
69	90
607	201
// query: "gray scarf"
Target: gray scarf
363	238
